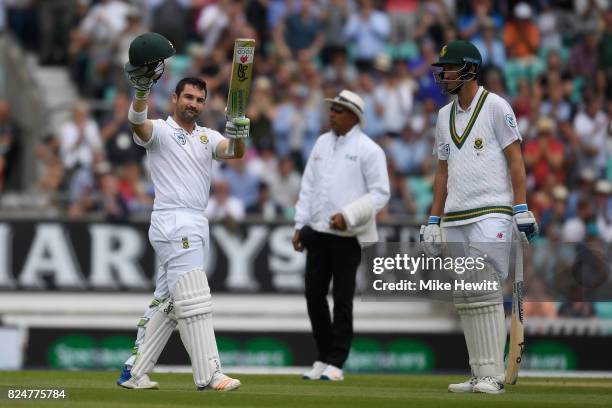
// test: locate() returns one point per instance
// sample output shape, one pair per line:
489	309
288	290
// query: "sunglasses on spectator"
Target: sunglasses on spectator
337	109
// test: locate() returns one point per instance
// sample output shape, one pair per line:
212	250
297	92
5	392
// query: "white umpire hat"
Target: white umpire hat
351	101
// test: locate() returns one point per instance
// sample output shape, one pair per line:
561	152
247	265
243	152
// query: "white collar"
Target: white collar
170	120
472	104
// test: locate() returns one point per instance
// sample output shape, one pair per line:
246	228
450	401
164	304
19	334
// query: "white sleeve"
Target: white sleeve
504	123
441	145
154	142
376	176
303	205
215	139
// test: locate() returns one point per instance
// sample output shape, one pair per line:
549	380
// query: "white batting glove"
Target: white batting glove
431	237
525	222
237	128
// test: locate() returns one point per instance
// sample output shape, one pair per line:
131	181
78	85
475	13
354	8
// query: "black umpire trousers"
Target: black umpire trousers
331	257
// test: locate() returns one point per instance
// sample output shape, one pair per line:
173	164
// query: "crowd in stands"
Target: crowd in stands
552	61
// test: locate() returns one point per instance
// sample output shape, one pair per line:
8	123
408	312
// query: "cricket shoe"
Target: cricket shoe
489	385
332	373
143	383
221	382
466	386
315	372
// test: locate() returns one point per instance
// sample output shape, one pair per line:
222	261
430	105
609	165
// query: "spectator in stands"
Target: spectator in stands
603	209
521	35
132	188
80	142
285	185
10	142
544	155
409	151
538	303
432	23
296	125
262	113
549	27
243	184
340	71
556	214
605	44
373	112
117	135
368	29
403	18
491	48
494	82
480	12
401	203
333	19
110	201
51	170
222	205
591	128
575	229
584	55
265	207
300	33
396	93
170	19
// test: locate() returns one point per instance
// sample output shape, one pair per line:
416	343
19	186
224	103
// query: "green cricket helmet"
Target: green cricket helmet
466	56
147	54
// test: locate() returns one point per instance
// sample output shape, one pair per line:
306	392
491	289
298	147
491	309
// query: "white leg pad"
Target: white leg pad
484	327
193	308
154	330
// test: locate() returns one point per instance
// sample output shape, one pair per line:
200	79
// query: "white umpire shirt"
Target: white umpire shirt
180	164
340	170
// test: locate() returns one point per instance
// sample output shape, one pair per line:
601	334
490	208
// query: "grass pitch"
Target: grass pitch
97	389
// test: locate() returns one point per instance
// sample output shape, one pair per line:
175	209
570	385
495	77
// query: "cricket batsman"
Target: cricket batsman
180	154
479	193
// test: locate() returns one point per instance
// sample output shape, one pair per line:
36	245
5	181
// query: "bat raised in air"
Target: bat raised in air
240	83
517	331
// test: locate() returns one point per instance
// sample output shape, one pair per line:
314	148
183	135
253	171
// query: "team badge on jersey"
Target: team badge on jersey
181	138
510	121
185	242
203	138
479	143
444	150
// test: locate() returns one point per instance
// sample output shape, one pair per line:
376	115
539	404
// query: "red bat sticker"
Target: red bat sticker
243	58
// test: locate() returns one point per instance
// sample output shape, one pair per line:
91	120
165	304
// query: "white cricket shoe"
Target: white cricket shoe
332	373
142	383
466	386
315	372
221	382
489	385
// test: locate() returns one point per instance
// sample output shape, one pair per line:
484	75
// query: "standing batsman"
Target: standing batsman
479	192
180	155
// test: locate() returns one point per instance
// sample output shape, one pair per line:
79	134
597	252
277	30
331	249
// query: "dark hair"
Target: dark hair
197	82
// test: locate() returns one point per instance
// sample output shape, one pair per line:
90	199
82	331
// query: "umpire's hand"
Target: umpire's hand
336	222
297	245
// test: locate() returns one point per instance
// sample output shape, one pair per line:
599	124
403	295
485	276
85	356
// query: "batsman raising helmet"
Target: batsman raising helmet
479	199
180	154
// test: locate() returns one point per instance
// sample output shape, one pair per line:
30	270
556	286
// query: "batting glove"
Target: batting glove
525	222
237	128
431	237
143	78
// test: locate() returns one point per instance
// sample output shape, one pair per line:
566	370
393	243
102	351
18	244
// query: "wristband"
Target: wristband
137	118
519	208
433	219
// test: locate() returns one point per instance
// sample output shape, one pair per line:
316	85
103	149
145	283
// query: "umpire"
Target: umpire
344	185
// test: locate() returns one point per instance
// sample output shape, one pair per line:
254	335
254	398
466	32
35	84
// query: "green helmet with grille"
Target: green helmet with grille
462	54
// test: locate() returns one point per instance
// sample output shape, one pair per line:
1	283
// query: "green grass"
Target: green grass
97	389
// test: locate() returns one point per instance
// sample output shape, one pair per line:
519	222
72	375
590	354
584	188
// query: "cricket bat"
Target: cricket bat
240	83
517	333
